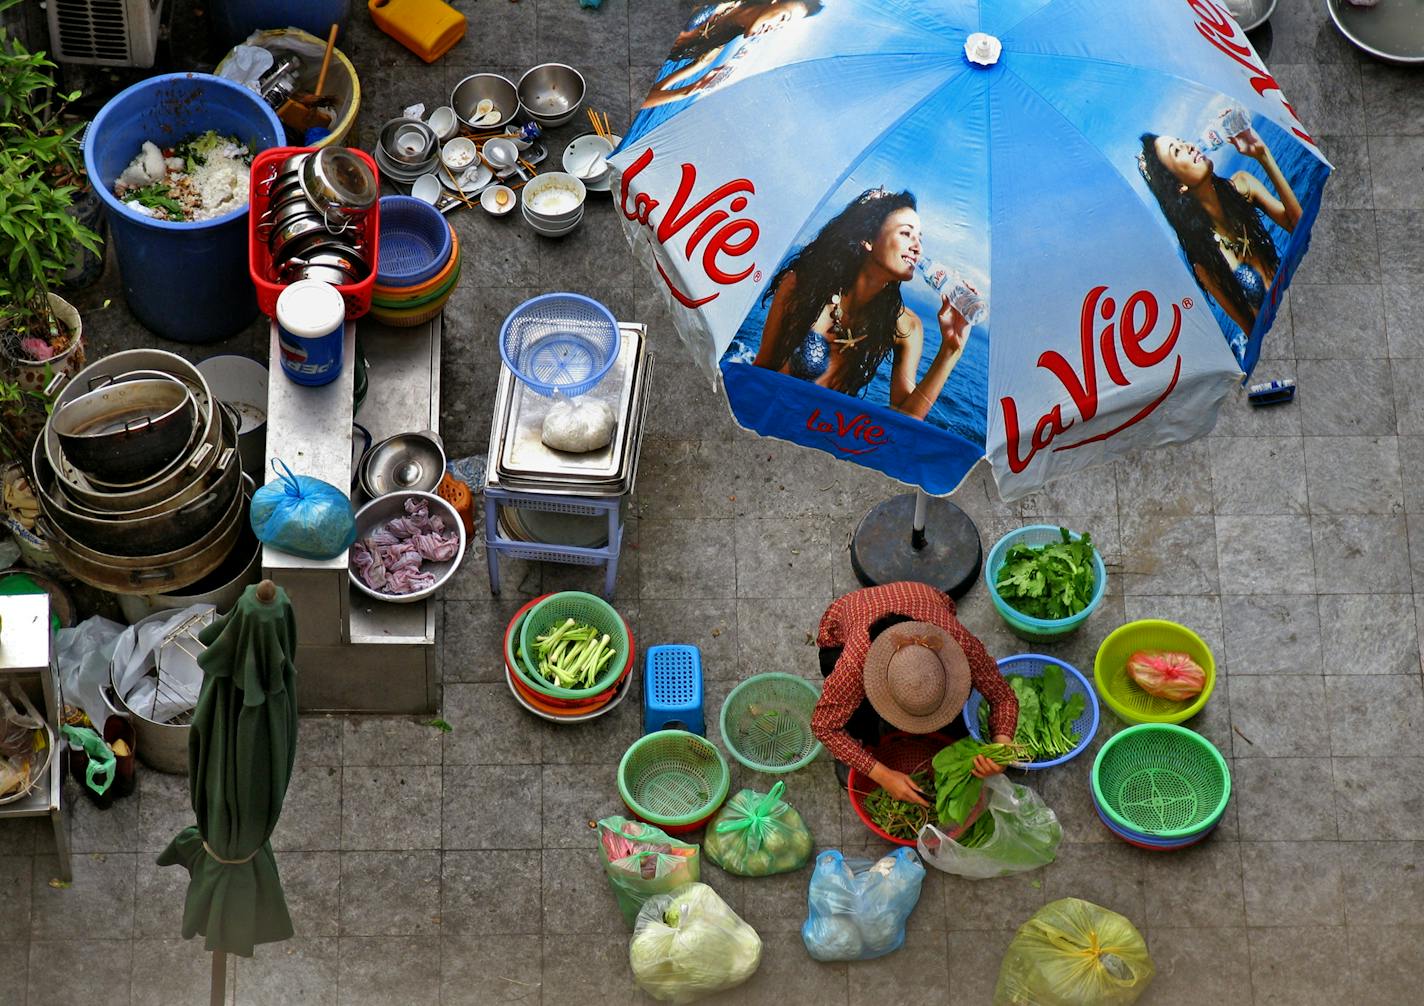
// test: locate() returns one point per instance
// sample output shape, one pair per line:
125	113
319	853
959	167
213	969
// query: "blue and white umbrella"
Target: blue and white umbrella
912	233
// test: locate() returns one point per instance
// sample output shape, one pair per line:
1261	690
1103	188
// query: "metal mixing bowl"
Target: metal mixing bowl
476	88
404	462
378	511
551	93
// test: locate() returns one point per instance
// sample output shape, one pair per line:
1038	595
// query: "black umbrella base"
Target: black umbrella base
882	551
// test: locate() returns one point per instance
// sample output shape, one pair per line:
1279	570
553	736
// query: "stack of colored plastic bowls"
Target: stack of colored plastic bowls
419	263
1159	786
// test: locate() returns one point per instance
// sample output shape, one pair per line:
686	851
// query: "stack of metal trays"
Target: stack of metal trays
519	460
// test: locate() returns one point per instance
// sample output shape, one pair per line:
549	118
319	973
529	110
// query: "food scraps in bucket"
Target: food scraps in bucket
1175	677
198	179
389	559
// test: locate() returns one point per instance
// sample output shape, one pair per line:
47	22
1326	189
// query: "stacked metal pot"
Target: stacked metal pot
310	222
140	485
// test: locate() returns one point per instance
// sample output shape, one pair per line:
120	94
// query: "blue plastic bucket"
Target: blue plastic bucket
234	20
185	281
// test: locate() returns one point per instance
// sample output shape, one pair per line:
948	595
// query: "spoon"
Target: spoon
596	166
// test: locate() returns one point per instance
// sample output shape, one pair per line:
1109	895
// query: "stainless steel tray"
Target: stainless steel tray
523	453
563	487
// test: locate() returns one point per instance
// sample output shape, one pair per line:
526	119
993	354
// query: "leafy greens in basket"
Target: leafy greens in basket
1049	581
1046	717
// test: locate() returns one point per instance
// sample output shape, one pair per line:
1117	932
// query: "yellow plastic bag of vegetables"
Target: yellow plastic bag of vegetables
1074	953
758	834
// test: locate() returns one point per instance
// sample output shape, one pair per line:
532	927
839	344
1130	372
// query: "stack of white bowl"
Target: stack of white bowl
553	203
407	149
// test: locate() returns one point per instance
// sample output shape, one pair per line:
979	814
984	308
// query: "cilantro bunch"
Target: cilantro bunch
1050	581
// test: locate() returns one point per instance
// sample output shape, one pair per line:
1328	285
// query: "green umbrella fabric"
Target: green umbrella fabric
240	752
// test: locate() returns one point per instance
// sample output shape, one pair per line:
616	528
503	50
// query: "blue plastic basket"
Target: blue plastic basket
1148	841
1031	665
415	241
560	342
1026	626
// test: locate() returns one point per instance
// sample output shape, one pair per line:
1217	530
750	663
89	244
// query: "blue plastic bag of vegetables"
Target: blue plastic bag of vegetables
303	515
758	834
859	908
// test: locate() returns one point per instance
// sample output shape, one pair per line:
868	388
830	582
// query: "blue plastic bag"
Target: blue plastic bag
859	907
303	515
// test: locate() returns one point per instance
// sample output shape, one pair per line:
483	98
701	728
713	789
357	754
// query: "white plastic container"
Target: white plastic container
310	318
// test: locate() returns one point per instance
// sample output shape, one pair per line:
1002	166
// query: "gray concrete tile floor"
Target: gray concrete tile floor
460	868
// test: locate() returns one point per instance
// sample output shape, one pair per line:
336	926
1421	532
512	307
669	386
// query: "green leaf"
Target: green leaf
440	725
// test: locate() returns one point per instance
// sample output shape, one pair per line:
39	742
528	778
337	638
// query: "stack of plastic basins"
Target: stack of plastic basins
548	612
420	263
1160	787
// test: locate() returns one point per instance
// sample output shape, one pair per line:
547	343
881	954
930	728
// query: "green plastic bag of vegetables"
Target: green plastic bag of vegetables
641	860
1074	953
689	944
758	834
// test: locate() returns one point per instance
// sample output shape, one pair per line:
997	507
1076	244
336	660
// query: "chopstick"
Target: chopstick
459	189
599	126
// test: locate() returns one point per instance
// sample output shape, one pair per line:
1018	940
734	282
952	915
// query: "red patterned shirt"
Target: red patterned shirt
847	623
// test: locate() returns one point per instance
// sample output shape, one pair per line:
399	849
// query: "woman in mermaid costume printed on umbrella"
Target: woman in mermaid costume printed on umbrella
1217	220
836	311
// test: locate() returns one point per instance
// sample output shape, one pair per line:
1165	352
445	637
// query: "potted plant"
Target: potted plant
41	168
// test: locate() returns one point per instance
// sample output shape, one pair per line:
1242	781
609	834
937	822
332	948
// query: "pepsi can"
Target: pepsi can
311	321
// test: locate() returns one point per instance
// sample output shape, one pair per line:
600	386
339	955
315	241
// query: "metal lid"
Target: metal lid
335	177
403	462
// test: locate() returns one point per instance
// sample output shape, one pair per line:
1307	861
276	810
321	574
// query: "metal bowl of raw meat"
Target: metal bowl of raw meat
387	523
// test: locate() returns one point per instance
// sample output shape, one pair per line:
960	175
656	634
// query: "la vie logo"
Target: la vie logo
855	433
719	237
1131	334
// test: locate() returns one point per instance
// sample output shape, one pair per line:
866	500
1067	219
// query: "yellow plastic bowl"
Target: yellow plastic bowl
1122	694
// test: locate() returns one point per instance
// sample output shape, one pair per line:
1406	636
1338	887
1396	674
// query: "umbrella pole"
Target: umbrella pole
942	548
217	993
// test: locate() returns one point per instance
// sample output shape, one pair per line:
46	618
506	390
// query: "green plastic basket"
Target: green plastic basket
766	723
673	779
581	607
1122	694
1161	780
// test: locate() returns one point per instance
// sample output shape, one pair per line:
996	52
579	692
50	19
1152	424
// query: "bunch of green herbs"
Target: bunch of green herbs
900	818
957	789
1046	715
1050	581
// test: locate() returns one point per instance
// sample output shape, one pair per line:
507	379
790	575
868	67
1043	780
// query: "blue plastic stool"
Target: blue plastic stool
672	689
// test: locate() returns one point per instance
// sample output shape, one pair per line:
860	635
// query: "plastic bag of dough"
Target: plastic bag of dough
578	426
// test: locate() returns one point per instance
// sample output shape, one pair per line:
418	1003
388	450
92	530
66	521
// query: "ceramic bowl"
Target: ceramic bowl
554	198
489	200
458	154
444	121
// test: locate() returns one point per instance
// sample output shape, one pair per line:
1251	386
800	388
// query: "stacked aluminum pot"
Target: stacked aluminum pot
314	205
140	485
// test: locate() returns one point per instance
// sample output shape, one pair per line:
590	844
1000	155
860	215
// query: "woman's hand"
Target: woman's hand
985	767
1250	144
953	326
898	784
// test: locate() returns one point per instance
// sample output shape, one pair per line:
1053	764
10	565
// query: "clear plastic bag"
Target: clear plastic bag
641	861
303	515
578	425
1074	953
1026	836
689	944
758	834
859	908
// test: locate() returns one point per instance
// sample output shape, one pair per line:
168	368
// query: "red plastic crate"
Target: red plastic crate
259	257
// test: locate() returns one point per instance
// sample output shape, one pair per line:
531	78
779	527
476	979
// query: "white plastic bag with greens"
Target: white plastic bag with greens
689	944
1017	832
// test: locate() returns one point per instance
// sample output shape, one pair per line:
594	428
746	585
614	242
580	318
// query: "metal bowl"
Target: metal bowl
551	93
404	462
339	183
378	511
1391	30
407	141
480	86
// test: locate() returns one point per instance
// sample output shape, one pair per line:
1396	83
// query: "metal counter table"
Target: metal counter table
355	654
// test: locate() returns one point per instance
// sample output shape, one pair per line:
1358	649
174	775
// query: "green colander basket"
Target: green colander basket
673	778
584	608
1122	694
1161	780
766	723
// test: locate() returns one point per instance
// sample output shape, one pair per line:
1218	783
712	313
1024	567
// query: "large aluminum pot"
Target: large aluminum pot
163	747
127	431
169	571
149	533
221	588
192	466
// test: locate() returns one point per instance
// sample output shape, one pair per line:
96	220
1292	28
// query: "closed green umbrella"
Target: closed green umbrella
240	751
